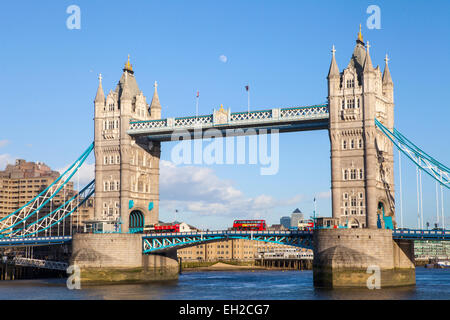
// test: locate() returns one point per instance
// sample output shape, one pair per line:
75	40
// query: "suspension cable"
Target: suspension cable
437	204
401	194
442	208
421	198
418	198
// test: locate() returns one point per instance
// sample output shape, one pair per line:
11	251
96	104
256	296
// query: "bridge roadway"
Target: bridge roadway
160	242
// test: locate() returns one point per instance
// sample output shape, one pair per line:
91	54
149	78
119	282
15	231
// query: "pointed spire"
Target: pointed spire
368	62
334	70
360	36
100	97
387	74
126	94
155	100
128	67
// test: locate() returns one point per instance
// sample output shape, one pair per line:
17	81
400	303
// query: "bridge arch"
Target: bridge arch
136	221
384	221
353	223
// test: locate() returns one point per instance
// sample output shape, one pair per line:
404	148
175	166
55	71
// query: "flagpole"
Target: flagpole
248	98
196	106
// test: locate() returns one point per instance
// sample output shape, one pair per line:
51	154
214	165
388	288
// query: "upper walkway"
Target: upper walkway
285	120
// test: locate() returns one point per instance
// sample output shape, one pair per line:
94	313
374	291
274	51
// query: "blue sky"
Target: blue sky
281	48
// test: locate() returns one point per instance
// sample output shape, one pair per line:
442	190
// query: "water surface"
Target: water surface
230	285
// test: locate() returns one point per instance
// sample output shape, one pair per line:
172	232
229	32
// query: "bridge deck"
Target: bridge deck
33	241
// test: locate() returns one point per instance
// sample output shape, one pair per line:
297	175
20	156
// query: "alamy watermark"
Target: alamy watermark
74	20
74	279
231	150
374	281
374	20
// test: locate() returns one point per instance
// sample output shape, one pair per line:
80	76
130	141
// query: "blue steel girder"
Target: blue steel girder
411	234
153	243
34	241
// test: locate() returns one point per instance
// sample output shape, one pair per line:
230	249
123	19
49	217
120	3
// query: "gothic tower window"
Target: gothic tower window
350	103
345	174
360	143
350	83
344	144
352	144
361	175
353	174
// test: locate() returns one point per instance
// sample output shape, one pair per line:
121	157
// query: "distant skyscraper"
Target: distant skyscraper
285	222
296	216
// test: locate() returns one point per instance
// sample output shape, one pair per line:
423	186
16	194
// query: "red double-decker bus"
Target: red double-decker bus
249	225
162	228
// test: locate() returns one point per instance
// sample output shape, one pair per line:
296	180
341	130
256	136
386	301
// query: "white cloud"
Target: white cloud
86	174
199	191
324	195
3	143
4	160
223	58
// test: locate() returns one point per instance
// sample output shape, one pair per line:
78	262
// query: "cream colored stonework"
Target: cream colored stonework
362	174
126	169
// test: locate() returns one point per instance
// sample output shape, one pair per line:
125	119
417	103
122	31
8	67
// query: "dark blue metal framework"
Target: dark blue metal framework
155	242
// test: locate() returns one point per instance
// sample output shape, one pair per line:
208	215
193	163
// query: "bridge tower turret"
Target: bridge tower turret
362	175
126	169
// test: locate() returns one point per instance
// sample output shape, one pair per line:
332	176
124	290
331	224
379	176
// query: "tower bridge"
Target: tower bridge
359	117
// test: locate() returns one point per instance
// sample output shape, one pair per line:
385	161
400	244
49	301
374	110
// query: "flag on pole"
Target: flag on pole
247	88
198	94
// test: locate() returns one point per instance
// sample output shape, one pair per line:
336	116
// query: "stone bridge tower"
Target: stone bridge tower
362	174
126	170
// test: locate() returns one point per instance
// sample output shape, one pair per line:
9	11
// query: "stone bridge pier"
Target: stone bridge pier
354	258
117	258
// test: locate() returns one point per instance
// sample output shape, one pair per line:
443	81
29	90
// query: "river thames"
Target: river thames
229	285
